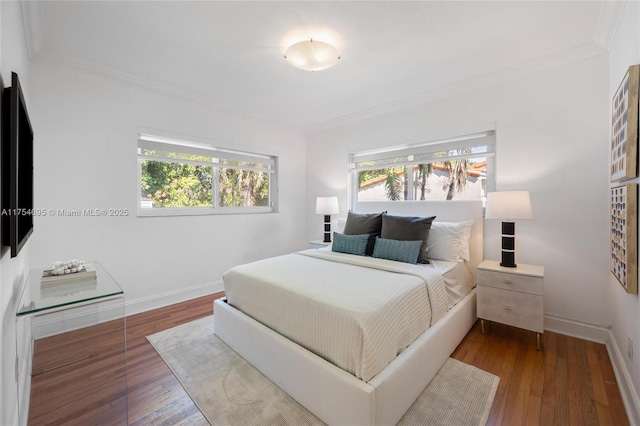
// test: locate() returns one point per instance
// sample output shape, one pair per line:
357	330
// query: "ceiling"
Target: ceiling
231	53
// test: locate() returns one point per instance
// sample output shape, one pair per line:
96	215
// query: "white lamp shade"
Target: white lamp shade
312	55
508	205
327	205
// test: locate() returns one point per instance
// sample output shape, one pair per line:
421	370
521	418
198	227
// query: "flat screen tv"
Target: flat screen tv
17	169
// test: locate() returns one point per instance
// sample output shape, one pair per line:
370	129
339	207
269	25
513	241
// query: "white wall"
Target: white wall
625	308
552	140
85	158
13	272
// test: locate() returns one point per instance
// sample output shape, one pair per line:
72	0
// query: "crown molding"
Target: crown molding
608	21
32	19
564	57
576	54
55	58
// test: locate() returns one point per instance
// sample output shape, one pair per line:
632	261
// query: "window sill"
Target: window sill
202	211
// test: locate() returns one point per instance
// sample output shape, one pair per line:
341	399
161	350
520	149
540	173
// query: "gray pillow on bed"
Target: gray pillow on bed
350	244
359	224
408	228
402	251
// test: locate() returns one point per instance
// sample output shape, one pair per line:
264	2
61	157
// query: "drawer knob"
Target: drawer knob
507	307
507	281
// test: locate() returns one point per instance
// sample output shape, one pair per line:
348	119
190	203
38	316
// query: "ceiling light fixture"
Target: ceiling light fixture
312	55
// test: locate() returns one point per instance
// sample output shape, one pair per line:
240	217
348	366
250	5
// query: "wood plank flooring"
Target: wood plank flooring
65	395
571	382
155	395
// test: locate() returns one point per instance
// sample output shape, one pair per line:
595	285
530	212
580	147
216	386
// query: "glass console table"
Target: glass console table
72	333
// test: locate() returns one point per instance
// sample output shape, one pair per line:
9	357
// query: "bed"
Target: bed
373	391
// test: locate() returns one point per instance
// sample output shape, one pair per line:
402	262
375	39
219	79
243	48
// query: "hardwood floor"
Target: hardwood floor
155	395
570	382
65	395
151	394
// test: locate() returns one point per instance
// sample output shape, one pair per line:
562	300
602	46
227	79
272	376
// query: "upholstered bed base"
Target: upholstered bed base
333	395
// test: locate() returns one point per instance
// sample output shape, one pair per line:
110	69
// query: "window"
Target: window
460	168
177	177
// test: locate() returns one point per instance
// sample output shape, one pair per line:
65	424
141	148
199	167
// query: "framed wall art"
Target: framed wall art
624	235
624	127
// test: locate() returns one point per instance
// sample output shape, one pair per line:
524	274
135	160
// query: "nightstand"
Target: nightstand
316	244
512	296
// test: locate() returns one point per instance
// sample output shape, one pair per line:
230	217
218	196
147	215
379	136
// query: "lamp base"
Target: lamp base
508	245
327	229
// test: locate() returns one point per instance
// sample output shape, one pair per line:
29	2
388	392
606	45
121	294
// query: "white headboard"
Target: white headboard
444	211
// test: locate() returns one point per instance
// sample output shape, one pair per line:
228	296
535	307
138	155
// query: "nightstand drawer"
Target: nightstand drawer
522	283
511	307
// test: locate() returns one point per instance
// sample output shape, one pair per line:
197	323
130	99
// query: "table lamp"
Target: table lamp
508	206
327	206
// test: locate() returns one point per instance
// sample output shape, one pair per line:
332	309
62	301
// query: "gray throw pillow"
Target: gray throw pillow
408	228
359	224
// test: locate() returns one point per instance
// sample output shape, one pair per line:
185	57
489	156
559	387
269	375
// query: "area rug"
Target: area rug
229	391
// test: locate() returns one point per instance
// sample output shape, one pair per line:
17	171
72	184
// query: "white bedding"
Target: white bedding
356	312
457	278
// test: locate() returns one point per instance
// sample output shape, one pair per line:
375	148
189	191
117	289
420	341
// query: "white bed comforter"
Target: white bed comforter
356	312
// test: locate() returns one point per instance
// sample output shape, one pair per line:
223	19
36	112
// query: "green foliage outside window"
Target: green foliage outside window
175	184
451	168
243	188
395	179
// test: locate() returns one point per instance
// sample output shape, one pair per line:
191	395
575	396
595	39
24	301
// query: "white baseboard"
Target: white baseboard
85	316
169	298
601	334
625	382
65	320
68	320
581	330
565	326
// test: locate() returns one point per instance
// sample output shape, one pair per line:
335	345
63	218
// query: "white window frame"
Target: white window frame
163	141
483	138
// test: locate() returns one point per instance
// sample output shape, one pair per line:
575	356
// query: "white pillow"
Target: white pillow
449	240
